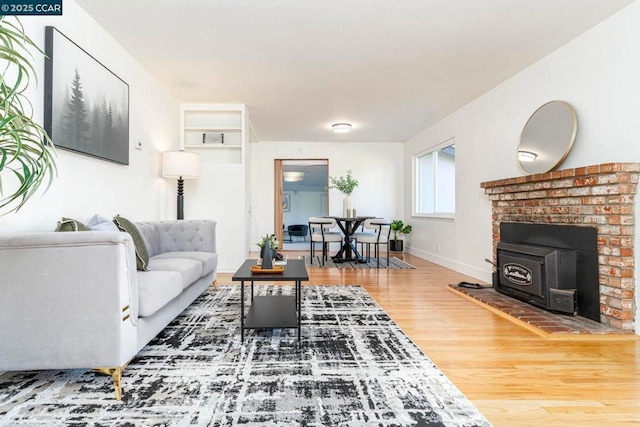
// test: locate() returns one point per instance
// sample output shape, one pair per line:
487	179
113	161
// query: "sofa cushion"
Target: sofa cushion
186	235
151	237
142	256
209	260
156	289
70	224
190	269
183	235
101	223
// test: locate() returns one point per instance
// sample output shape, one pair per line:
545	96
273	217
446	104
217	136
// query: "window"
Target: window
435	181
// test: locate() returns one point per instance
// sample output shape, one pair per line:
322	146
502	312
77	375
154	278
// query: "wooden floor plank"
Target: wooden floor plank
515	377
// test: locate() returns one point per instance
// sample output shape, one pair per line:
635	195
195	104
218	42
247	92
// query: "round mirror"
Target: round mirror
547	137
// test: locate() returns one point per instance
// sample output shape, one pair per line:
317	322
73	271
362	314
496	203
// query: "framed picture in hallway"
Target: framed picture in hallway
286	203
86	105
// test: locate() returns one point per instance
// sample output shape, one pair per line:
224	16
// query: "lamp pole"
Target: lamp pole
180	198
180	164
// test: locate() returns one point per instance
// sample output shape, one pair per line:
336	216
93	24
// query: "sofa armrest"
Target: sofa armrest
69	300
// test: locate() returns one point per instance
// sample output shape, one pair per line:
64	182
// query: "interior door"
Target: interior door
300	192
278	180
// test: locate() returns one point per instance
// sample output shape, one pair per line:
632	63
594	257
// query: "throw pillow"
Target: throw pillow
70	224
142	255
101	223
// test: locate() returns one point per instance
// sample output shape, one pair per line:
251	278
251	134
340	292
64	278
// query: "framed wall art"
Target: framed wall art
86	105
213	138
286	203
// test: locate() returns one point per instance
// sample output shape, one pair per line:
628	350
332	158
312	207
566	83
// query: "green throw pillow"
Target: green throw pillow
70	224
142	255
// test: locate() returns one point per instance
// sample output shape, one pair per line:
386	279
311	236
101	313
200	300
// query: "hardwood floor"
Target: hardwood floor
513	376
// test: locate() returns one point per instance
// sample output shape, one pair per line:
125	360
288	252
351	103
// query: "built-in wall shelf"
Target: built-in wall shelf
219	134
210	129
217	127
214	146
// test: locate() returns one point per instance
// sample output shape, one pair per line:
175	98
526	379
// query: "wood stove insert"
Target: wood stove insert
551	266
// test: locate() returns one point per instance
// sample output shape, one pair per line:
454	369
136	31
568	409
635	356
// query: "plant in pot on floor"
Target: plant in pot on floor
398	227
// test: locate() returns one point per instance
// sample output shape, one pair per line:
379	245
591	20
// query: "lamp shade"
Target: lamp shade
177	164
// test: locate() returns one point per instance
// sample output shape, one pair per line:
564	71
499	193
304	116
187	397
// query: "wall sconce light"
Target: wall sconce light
181	165
526	156
341	127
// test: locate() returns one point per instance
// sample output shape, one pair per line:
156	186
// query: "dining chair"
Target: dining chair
381	230
320	232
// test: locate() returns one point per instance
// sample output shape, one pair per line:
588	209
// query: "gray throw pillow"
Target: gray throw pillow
70	224
101	223
142	255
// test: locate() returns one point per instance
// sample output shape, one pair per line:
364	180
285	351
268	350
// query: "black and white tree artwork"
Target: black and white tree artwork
87	105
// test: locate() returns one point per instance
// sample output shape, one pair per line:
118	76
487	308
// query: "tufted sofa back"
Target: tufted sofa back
173	236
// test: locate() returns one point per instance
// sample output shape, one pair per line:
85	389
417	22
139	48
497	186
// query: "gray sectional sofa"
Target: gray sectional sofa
75	299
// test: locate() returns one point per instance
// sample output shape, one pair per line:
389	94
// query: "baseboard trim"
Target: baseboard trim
469	270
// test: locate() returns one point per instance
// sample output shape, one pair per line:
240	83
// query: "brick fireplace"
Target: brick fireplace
601	196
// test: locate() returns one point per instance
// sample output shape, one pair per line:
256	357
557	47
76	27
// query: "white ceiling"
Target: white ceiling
316	175
391	68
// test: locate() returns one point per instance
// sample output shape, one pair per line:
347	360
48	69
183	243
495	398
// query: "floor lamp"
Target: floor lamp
182	165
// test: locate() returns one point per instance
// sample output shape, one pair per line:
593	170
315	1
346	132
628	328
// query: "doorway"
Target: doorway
301	189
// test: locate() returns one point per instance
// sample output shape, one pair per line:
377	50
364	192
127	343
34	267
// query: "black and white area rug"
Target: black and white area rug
354	367
372	263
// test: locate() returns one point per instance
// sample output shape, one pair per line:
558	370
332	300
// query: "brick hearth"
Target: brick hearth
600	196
542	322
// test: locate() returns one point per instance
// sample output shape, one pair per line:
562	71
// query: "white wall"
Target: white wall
598	73
87	185
304	204
219	195
377	166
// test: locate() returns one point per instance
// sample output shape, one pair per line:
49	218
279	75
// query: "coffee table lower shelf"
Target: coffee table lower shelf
272	312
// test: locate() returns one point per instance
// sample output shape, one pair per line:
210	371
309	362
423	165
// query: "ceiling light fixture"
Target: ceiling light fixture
293	176
341	127
526	156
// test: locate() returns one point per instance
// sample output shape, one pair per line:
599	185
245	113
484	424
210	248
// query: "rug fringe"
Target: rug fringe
394	263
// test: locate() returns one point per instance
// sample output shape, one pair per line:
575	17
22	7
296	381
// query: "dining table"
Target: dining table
348	250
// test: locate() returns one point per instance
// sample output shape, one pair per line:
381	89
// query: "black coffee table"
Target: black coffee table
272	311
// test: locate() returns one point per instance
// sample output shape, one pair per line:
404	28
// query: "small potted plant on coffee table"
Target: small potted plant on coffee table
273	243
398	227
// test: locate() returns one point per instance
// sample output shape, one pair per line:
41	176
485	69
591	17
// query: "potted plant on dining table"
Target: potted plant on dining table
345	185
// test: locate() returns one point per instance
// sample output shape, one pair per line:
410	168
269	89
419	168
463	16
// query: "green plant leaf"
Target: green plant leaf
345	185
398	227
26	152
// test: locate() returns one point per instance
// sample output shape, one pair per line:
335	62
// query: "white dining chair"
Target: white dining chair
320	232
380	230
